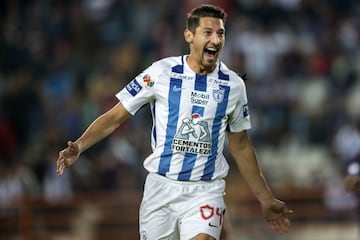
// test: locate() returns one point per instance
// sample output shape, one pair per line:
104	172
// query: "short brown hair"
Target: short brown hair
205	10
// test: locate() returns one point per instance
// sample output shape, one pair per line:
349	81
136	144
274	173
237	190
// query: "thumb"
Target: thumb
287	211
71	144
280	207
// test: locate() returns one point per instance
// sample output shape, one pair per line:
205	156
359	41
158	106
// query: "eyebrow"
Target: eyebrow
210	28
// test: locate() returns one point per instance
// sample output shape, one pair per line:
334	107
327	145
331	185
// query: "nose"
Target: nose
215	39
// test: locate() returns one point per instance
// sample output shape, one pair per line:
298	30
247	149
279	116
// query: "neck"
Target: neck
197	67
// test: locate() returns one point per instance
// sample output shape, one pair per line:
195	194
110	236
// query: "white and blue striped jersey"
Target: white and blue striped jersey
191	113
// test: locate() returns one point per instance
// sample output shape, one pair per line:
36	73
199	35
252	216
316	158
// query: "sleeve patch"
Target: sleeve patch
147	81
245	110
133	87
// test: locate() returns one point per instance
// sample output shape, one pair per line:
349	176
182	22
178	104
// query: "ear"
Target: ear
188	35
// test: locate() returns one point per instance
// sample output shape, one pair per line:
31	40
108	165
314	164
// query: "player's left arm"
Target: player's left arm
275	211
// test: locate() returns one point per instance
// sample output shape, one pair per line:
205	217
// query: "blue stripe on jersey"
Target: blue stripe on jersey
190	158
179	68
222	75
200	83
220	113
174	104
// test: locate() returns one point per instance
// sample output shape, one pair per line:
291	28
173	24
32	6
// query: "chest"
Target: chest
195	94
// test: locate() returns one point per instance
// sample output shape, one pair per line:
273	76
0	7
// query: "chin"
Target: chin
210	64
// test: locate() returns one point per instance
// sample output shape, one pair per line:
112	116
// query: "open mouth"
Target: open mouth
210	52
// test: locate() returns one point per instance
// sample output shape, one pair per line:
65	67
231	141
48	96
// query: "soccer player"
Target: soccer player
195	101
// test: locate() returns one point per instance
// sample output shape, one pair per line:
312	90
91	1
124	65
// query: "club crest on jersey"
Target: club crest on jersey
133	87
218	95
147	81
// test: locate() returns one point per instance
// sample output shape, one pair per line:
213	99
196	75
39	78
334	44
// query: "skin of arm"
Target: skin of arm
275	212
102	127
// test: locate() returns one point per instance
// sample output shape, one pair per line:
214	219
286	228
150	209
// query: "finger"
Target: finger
287	222
275	226
287	212
60	165
271	226
61	158
280	225
62	155
60	169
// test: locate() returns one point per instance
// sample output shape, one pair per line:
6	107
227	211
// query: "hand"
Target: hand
67	157
277	216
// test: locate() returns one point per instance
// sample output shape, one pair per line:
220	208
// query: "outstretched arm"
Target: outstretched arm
275	211
102	127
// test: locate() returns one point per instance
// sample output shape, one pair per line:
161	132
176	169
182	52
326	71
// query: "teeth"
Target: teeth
211	49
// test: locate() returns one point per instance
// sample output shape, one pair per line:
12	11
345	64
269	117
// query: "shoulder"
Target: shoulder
234	78
160	70
167	63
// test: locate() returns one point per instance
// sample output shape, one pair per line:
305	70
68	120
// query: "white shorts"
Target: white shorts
174	210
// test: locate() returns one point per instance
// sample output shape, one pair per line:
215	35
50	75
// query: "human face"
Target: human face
205	44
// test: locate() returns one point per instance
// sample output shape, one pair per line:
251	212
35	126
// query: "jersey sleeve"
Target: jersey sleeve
239	119
139	91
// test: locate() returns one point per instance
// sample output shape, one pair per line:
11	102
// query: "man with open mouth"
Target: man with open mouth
196	102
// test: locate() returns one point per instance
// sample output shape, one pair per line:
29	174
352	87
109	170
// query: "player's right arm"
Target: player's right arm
102	127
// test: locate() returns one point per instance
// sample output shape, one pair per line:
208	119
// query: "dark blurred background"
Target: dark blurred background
62	62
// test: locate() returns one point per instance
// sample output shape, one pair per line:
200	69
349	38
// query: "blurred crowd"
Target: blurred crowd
61	63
